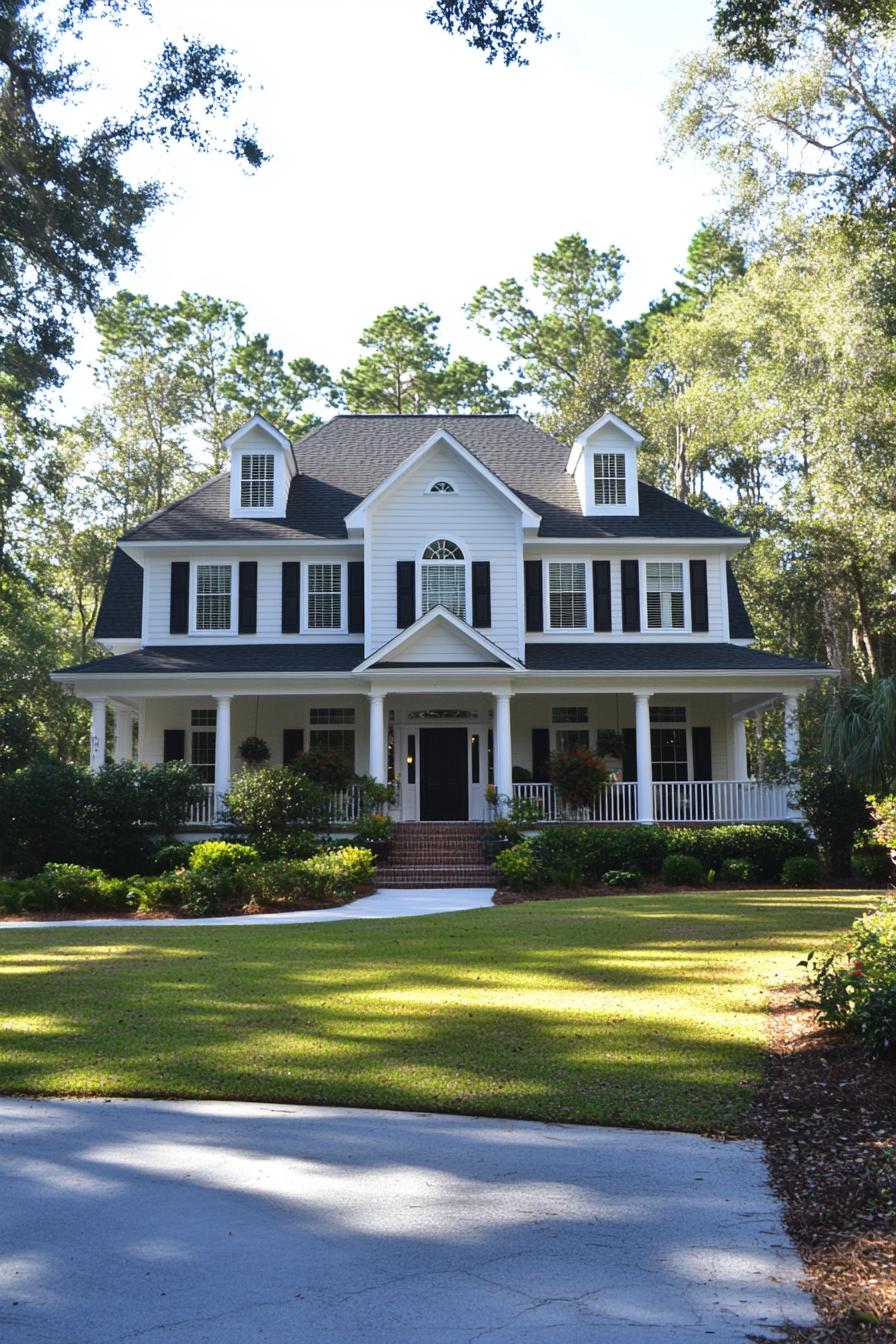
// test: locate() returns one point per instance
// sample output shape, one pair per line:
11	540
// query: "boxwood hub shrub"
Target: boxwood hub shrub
800	871
266	807
520	868
766	845
739	870
221	856
854	984
682	870
622	877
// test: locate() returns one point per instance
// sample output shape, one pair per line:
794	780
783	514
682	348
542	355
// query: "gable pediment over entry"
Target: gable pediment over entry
440	639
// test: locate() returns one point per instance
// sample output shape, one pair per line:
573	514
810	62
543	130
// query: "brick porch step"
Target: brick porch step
436	854
453	876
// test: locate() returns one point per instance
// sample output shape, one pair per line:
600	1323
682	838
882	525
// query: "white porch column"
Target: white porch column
376	763
739	748
124	734
791	729
97	734
222	748
503	748
644	757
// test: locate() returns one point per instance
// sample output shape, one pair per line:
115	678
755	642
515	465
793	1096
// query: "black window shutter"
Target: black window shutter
631	595
180	597
601	581
534	596
629	754
355	597
699	596
174	744
405	597
482	593
248	597
293	744
541	750
701	744
291	600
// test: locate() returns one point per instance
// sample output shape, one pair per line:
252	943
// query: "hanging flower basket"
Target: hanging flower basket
254	751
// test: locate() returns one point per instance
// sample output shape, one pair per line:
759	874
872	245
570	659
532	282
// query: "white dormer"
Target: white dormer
604	464
261	468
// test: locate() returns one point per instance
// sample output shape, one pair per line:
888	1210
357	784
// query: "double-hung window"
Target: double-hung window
664	594
257	481
609	478
443	578
203	732
214	597
325	597
568	739
567	595
333	730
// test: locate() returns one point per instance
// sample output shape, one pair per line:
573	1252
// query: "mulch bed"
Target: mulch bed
238	907
827	1117
504	896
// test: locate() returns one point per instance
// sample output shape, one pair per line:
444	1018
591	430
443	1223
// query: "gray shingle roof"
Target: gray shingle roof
644	657
290	658
341	462
740	625
237	658
121	610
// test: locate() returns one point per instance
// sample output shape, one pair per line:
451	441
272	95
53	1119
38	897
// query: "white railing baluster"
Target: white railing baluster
720	801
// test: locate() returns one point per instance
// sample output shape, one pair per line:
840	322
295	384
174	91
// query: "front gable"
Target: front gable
439	639
434	458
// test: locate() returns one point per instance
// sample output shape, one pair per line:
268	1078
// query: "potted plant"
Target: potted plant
254	751
498	835
375	833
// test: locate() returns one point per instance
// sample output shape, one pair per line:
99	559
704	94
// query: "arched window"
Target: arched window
443	578
441	488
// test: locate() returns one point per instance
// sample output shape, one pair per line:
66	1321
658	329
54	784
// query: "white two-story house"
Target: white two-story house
445	600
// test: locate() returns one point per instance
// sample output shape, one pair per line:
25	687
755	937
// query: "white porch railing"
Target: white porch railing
723	800
345	805
617	803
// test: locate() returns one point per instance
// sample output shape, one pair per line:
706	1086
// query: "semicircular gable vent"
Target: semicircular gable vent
442	488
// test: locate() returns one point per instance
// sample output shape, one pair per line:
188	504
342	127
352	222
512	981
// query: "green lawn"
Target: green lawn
639	1010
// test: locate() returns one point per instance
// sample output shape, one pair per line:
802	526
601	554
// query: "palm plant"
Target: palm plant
859	735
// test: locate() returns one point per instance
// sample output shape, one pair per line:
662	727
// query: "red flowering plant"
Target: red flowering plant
577	775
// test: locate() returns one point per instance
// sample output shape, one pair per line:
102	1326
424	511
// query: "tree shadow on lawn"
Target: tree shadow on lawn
453	1018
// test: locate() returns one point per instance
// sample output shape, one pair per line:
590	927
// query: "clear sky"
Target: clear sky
404	169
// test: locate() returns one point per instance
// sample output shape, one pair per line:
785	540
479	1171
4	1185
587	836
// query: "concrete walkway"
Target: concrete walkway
225	1222
384	904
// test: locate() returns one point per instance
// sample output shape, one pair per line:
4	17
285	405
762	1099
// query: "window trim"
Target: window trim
684	629
615	453
587	627
194	598
281	484
305	597
631	507
468	573
442	494
258	508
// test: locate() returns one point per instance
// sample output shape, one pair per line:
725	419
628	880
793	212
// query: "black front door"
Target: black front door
443	779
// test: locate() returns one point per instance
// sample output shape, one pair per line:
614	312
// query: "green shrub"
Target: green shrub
168	856
58	813
872	863
376	827
12	896
800	870
340	873
268	806
519	867
623	877
854	984
68	886
682	870
276	882
526	811
883	812
739	870
642	847
766	844
221	855
205	890
147	895
835	809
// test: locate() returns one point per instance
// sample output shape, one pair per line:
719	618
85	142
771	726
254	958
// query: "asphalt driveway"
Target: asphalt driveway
228	1222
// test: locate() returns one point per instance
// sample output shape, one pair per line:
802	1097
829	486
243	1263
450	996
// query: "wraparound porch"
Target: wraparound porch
675	755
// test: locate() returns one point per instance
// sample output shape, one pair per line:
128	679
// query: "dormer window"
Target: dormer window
257	481
609	478
441	488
